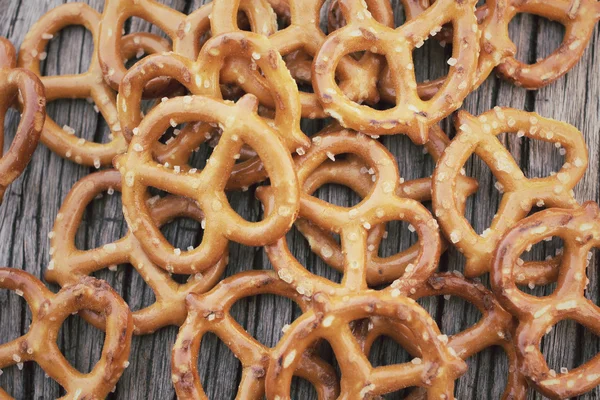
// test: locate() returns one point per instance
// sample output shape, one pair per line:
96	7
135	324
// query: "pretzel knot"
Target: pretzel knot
210	313
241	125
202	78
355	174
69	264
477	135
495	328
580	230
410	115
353	224
329	320
22	89
87	85
48	311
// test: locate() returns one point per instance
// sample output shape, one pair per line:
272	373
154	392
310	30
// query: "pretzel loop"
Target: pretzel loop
359	379
477	136
411	114
49	311
210	313
580	230
19	86
241	126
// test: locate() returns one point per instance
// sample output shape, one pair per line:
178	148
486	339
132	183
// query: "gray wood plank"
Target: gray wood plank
27	215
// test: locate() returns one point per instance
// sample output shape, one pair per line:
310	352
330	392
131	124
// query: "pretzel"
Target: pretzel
19	86
580	230
185	32
49	311
241	125
495	328
477	135
89	84
497	50
410	115
358	78
210	313
69	264
354	224
329	319
202	78
354	174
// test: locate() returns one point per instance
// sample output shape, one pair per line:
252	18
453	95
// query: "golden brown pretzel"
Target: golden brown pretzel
241	125
185	32
49	311
580	230
210	313
202	78
495	328
89	84
410	115
69	264
22	89
477	135
382	204
358	78
355	174
329	319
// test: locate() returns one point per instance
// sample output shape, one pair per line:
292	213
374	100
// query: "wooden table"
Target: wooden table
31	203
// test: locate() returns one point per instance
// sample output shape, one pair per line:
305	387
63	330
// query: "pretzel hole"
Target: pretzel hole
431	59
80	343
479	206
137	24
216	361
449	308
414	162
102	222
73	42
560	354
315	260
13	307
338	195
537	158
487	372
545	256
397	237
80	118
183	233
593	267
535	36
303	389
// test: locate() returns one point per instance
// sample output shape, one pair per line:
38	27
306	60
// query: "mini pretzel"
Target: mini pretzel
202	78
580	230
241	125
495	328
477	135
69	264
89	84
19	86
186	32
411	115
354	224
210	313
358	78
329	319
49	311
354	174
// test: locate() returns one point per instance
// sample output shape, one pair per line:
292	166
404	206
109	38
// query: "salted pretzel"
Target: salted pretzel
354	173
185	31
358	78
89	84
23	89
241	125
498	51
495	328
477	135
580	230
49	311
410	115
380	205
69	264
329	319
210	313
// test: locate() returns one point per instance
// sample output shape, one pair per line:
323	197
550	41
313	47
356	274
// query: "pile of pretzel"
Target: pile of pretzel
228	75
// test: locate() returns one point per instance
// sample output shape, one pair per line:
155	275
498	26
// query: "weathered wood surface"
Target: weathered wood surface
31	203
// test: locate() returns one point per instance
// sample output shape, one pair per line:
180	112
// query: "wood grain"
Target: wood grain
31	203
